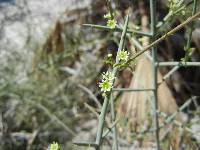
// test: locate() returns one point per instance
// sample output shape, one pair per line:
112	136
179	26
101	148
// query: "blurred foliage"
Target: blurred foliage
48	101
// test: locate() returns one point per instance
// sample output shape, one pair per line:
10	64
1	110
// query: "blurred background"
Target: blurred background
50	67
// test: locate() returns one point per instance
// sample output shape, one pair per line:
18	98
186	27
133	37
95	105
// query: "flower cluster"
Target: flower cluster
110	21
54	146
188	54
175	5
107	81
108	77
123	56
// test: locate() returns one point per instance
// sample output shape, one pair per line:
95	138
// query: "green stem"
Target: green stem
117	29
173	63
114	129
171	32
109	4
155	69
175	68
109	128
131	90
106	100
190	32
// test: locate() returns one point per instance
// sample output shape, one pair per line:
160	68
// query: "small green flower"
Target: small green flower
109	55
107	16
142	39
123	55
174	5
111	23
105	86
188	54
107	81
54	146
183	12
107	76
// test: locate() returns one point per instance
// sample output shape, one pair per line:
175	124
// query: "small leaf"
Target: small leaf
108	60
